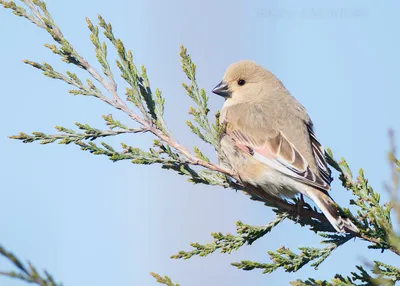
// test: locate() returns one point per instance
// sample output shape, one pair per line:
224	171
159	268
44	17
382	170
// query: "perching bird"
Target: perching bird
269	141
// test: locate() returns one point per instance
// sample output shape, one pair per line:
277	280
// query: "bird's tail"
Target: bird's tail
328	206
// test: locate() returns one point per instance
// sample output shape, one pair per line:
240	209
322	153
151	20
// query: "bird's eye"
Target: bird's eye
241	82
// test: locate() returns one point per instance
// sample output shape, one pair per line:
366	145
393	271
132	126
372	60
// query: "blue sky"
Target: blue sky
89	221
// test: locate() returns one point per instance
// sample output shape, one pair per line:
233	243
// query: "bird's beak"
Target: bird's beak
222	89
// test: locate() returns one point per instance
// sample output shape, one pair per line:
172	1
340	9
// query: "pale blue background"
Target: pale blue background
91	222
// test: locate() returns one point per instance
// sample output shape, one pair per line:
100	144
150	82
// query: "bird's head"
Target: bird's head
243	81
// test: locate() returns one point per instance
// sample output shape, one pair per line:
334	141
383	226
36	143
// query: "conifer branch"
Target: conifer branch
246	234
68	136
207	132
26	272
385	275
291	261
372	217
163	280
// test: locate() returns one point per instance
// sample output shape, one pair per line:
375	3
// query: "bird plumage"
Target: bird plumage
268	139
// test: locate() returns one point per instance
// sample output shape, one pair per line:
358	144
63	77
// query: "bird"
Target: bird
268	140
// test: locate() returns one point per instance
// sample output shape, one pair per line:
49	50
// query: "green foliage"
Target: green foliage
247	234
206	131
372	217
386	277
26	272
68	136
291	261
163	280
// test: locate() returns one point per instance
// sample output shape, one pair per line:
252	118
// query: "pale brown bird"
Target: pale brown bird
269	141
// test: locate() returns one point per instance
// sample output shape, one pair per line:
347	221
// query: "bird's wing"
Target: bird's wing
319	155
279	153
